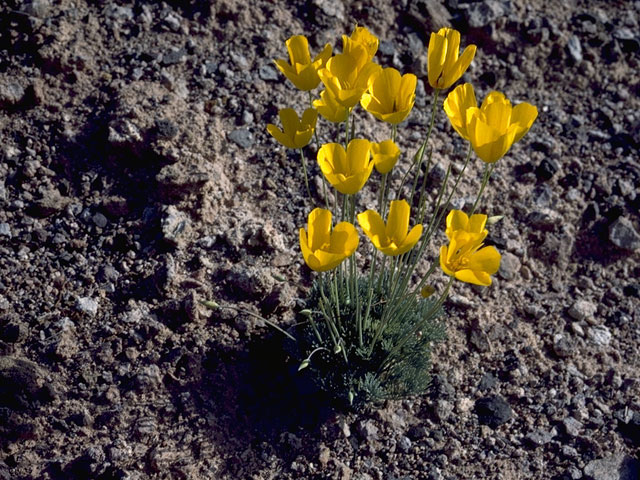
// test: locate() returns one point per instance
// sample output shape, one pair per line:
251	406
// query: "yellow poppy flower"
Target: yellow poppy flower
345	76
385	155
300	70
391	239
459	100
322	248
465	260
348	170
443	64
295	133
361	37
390	97
496	125
329	108
458	220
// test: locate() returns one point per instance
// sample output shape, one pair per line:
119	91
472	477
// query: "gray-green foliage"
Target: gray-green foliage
387	372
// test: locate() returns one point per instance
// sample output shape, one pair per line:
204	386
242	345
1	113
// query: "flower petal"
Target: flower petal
298	48
456	220
477	222
523	115
436	54
344	239
280	136
398	221
486	259
373	226
319	225
476	278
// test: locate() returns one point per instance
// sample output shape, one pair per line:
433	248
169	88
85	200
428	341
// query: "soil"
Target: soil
137	179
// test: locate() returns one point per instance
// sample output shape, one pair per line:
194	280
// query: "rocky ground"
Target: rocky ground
137	178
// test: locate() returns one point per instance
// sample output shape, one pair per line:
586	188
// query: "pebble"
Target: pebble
241	137
480	14
600	335
582	310
20	382
149	377
509	266
623	234
616	467
546	169
539	438
11	94
87	305
493	411
173	224
562	345
5	230
367	430
574	47
268	73
100	220
572	427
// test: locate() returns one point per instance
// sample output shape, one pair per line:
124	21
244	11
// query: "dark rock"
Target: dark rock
563	347
630	428
241	137
478	337
487	382
493	411
166	129
572	427
615	467
21	383
546	169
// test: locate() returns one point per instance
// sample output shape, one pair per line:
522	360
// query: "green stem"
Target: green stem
306	178
260	317
436	94
488	170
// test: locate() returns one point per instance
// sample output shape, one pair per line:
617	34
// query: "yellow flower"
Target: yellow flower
459	100
391	239
295	133
444	66
324	249
346	75
458	220
361	37
464	258
303	72
495	126
329	108
385	155
390	97
346	171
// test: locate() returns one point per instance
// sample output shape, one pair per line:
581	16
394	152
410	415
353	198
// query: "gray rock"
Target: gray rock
50	203
148	377
99	220
574	48
37	8
404	443
177	180
563	347
241	137
173	57
582	310
539	438
87	305
480	14
600	335
443	410
493	411
334	10
623	234
616	467
5	230
174	223
268	73
123	132
367	430
117	12
509	266
11	94
572	427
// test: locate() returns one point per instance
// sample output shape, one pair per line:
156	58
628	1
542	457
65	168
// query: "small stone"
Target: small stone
87	305
172	20
174	223
173	57
20	382
480	14
11	94
623	234
324	455
562	346
148	378
268	73
404	443
493	411
600	335
581	310
574	47
487	382
538	438
616	467
37	8
176	181
241	137
546	169
5	230
509	266
123	132
572	426
443	410
100	220
367	430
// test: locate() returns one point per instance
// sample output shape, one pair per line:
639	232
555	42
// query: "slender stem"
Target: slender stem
370	288
304	169
431	123
394	132
488	170
346	130
260	317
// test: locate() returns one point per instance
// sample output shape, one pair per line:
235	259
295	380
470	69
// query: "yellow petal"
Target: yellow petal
523	115
298	49
477	222
486	259
461	65
385	155
373	226
290	121
436	54
444	260
476	278
319	225
398	221
323	261
456	220
344	239
323	56
280	136
453	50
358	155
498	115
309	118
493	97
410	240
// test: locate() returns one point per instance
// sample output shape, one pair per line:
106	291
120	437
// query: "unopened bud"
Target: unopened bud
306	312
427	291
495	219
337	349
305	363
209	304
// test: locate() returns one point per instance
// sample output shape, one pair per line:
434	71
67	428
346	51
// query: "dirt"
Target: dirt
137	179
